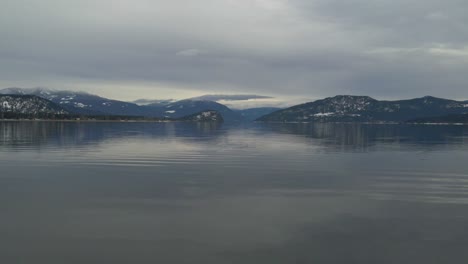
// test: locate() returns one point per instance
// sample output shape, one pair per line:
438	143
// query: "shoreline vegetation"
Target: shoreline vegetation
66	117
89	120
4	117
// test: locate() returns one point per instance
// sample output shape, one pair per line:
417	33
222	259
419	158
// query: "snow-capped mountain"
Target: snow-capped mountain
344	108
85	103
81	102
28	105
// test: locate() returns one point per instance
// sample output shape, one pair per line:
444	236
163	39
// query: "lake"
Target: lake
101	192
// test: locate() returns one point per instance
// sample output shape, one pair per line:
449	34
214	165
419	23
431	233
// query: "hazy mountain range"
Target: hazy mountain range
89	104
341	108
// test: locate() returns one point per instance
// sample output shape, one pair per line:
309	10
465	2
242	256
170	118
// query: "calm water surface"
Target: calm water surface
100	193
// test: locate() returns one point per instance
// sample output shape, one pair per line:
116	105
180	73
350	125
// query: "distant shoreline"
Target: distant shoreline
258	122
365	123
101	121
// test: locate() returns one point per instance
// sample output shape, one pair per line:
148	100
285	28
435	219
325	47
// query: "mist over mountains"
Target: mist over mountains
227	97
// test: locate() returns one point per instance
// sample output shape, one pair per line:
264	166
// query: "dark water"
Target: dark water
200	193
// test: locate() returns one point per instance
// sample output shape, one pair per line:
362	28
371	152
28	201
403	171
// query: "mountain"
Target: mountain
447	119
81	102
28	106
347	108
206	97
32	106
204	116
252	114
89	104
187	107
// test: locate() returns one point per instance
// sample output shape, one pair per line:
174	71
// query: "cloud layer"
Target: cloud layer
180	48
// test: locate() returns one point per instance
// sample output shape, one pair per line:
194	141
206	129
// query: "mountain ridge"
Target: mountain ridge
352	108
28	106
83	103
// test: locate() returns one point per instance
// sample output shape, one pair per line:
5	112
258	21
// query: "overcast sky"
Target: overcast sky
129	49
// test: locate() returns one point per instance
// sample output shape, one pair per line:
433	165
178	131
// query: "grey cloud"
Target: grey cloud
189	52
227	97
404	22
311	48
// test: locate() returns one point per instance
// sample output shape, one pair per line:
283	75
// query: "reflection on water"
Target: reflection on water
363	136
355	137
37	134
205	193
